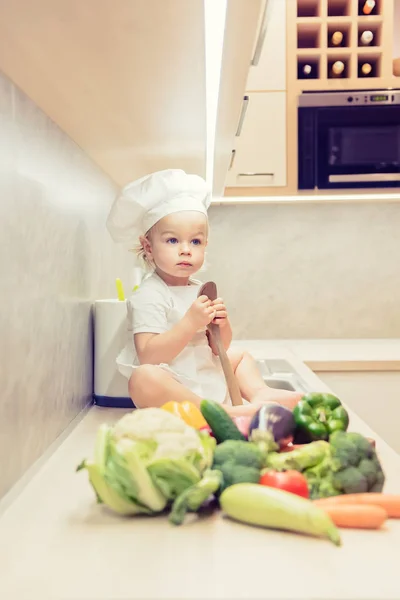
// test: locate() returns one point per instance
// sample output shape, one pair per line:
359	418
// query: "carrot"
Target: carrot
389	502
356	517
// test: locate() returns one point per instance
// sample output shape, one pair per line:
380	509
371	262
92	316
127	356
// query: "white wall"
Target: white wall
55	258
308	270
396	26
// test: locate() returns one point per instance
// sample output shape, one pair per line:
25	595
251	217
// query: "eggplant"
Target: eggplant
272	423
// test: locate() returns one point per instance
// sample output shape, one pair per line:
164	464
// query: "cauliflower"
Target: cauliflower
147	460
166	434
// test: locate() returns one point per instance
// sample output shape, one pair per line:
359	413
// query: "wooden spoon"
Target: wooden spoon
209	289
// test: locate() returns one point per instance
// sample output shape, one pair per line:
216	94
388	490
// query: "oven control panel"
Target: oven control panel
350	98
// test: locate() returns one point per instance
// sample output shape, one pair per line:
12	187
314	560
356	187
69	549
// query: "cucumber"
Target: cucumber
260	505
222	426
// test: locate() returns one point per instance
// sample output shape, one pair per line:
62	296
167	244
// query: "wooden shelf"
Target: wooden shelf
371	20
339	8
308	35
367	50
375	29
344	28
377	10
308	8
343	58
309	52
370	60
308	67
306	20
339	20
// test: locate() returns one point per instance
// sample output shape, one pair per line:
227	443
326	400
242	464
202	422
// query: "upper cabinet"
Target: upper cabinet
268	64
259	155
258	152
242	20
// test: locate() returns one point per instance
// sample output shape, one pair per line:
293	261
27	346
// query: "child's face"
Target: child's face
177	245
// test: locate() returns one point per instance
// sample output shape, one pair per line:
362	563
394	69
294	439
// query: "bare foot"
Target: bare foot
283	397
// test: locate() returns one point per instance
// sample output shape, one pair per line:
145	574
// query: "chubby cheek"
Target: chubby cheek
165	255
198	254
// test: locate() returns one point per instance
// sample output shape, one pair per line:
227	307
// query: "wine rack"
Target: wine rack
339	40
339	8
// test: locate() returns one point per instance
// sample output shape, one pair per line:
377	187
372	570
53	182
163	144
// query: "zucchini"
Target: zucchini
222	426
264	506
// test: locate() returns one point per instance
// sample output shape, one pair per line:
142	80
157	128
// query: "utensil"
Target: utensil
209	289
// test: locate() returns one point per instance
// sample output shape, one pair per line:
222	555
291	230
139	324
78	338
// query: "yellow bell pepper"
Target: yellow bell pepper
186	411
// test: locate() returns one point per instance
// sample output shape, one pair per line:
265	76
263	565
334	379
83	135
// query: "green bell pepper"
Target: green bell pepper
317	416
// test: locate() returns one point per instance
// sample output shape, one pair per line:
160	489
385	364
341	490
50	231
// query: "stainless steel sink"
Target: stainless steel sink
280	374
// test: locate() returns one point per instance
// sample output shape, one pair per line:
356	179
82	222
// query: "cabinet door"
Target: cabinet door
270	71
259	155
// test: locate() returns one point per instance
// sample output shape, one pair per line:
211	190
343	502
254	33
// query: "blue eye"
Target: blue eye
196	242
172	241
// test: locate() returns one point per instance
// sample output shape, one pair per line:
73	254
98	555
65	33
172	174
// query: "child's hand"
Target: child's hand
221	316
201	313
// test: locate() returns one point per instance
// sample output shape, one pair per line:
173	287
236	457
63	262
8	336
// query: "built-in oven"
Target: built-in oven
349	139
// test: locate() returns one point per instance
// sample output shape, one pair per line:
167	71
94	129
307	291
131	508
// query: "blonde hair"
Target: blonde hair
140	252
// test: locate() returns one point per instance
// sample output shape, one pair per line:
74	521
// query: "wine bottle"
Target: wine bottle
368	7
366	69
337	68
366	38
337	38
306	71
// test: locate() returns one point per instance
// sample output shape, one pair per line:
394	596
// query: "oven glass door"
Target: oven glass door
358	147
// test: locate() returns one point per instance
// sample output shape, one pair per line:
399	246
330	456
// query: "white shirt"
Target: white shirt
156	307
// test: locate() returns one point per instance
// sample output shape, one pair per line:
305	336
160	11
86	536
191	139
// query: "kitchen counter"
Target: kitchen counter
335	355
56	543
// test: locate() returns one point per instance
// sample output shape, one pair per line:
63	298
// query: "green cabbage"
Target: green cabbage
146	461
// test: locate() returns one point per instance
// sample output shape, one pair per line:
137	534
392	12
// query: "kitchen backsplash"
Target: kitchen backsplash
308	270
56	258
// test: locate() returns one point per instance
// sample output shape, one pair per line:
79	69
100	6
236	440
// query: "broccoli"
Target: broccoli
347	464
193	497
352	467
309	455
239	462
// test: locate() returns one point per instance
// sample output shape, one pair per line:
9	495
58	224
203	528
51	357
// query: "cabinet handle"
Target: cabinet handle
242	115
256	174
232	159
261	35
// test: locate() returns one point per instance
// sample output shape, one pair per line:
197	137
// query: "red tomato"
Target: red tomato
207	429
290	481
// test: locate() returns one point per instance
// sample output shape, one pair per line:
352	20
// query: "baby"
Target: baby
171	356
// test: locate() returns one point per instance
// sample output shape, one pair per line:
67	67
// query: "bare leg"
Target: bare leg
253	386
150	385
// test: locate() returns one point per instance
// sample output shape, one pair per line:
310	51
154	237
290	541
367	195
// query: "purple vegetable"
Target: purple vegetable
272	422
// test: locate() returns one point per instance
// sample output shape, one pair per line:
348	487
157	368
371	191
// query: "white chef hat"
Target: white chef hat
142	203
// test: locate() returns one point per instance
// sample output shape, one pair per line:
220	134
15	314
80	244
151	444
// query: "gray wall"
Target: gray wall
55	258
308	270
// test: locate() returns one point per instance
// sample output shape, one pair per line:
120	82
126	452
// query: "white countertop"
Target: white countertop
335	355
56	543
